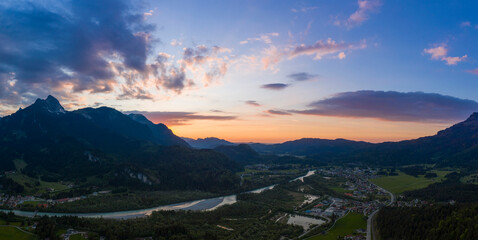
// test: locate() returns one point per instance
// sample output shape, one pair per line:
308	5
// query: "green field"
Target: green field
77	237
403	182
7	233
31	185
19	164
344	226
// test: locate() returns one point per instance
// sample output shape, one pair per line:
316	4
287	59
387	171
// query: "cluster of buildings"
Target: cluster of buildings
70	232
358	190
12	201
338	207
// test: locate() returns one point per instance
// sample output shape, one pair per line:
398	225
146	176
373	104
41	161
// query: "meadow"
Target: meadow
403	182
9	232
344	226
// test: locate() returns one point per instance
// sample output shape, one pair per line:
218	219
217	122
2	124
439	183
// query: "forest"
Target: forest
248	219
458	221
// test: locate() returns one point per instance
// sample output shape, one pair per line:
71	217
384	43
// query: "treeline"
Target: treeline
450	189
446	191
435	222
247	219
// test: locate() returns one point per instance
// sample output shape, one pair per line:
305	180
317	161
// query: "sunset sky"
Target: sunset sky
250	71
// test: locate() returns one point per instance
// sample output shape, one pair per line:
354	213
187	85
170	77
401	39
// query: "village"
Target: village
357	191
14	201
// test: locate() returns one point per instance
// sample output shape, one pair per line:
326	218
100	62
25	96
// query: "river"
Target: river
196	205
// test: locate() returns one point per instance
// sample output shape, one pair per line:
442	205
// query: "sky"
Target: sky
249	71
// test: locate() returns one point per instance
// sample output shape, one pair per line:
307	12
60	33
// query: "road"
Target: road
371	216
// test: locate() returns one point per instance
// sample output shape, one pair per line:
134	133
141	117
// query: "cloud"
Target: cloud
253	103
275	86
320	49
148	13
68	48
277	112
76	46
207	63
393	106
365	7
341	55
302	76
441	53
180	118
465	24
303	9
473	71
265	38
176	42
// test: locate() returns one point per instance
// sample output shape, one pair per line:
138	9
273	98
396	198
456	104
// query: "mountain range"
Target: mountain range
107	146
456	145
104	147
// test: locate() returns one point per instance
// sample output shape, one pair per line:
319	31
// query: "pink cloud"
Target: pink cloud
303	9
454	60
441	53
465	24
438	52
265	38
473	71
320	49
361	14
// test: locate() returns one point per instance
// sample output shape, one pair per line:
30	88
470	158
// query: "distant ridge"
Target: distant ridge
454	146
207	143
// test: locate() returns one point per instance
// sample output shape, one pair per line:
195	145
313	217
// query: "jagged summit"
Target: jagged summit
50	104
473	117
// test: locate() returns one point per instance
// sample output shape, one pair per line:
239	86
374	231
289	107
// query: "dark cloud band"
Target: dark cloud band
393	106
302	76
275	86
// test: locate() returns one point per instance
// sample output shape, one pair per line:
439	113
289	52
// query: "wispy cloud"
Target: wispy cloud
180	118
473	71
393	106
277	112
253	103
176	42
441	53
303	9
302	76
365	7
465	24
265	38
275	86
207	63
320	49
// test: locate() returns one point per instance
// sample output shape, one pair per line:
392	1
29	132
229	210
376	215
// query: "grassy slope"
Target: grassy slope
19	164
7	233
77	237
403	182
344	226
33	189
29	183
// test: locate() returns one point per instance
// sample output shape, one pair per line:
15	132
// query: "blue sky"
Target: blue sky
374	70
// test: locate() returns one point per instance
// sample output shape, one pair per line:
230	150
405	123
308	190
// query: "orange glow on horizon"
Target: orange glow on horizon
281	129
